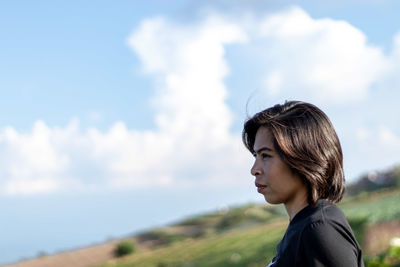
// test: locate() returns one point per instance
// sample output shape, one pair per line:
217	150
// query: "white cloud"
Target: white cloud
389	140
391	79
30	160
192	144
192	115
321	59
31	186
189	62
375	149
49	160
273	82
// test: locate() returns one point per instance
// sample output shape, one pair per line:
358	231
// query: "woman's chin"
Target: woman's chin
271	200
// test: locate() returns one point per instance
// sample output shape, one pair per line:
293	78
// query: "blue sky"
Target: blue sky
117	117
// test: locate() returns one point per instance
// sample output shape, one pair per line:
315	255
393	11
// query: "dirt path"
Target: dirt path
84	257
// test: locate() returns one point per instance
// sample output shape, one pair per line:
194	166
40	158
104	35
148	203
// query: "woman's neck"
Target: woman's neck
296	205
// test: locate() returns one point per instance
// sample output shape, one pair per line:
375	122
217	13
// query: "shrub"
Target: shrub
229	220
124	248
389	258
162	237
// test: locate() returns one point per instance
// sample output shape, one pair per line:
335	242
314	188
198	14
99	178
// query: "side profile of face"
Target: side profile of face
273	177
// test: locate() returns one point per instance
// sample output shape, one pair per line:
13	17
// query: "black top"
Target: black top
318	236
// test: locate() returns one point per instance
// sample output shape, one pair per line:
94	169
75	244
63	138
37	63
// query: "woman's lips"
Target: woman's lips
260	187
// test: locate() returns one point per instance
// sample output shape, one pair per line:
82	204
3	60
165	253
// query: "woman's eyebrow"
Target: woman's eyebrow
258	151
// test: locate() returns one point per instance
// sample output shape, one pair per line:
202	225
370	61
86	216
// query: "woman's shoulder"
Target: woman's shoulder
327	223
320	221
322	210
328	244
321	218
321	233
325	212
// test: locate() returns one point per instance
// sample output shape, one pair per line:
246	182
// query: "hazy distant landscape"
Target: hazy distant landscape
247	235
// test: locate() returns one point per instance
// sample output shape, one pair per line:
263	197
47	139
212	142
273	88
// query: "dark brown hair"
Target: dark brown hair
305	140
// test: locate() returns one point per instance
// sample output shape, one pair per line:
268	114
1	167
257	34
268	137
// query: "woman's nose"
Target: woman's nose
255	170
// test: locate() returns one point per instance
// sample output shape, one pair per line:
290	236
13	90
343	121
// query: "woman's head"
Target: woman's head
306	141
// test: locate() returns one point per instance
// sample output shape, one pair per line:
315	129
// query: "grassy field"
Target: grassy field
247	235
234	248
374	207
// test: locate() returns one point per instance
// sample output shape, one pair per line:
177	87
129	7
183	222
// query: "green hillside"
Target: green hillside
235	248
247	235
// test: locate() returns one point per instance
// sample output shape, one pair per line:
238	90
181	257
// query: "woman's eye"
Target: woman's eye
264	156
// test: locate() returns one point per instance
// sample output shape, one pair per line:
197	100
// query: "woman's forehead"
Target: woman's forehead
264	138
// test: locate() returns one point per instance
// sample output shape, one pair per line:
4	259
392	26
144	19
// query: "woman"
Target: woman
298	162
